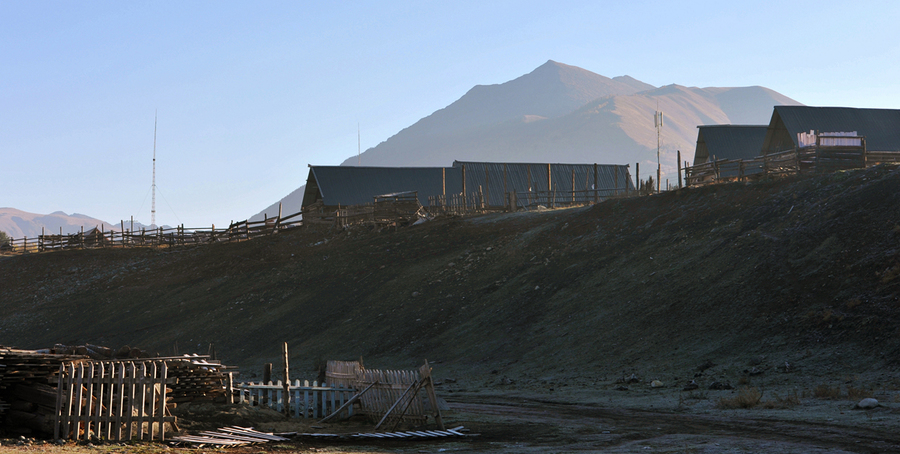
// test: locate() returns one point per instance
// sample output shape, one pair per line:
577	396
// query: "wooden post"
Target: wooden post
505	185
41	241
444	185
486	197
549	187
528	168
596	193
573	185
286	397
615	181
267	379
82	237
679	169
425	372
627	178
465	196
229	389
637	176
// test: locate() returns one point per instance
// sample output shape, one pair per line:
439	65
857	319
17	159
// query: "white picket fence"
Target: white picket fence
306	401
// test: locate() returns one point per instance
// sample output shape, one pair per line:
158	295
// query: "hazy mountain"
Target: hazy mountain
18	223
562	113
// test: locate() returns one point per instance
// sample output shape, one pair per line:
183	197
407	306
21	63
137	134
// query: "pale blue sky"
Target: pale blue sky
249	93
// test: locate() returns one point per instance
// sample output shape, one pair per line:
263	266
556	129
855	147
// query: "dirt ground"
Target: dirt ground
520	423
535	322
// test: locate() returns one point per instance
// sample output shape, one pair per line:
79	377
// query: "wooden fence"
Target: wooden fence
392	389
305	400
477	202
112	400
819	159
158	238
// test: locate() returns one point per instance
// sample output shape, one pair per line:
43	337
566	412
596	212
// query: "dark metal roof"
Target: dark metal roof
729	142
881	127
345	185
495	179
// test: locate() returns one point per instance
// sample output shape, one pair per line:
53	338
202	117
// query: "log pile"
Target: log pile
28	380
198	379
100	353
27	392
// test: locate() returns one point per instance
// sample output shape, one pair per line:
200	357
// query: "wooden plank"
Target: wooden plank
59	400
79	394
98	393
129	395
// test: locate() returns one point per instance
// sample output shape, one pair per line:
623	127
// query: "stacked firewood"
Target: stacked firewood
27	388
100	353
28	380
197	379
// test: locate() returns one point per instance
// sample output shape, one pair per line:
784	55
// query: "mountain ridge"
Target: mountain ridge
563	113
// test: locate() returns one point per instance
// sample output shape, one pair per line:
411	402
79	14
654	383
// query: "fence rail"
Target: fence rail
158	238
306	401
820	159
477	202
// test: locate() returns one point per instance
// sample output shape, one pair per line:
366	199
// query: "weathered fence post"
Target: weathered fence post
287	384
679	169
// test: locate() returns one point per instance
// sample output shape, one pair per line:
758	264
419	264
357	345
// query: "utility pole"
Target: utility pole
657	122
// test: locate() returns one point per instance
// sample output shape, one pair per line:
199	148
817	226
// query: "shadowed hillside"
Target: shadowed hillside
802	270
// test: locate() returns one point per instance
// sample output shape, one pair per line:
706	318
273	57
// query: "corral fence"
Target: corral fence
823	157
385	396
305	400
156	238
113	400
477	202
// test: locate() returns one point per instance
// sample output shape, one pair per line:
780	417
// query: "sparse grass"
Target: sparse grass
827	392
752	397
834	393
746	398
789	401
858	393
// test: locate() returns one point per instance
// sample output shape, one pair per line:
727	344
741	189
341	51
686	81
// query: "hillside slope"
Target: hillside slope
803	270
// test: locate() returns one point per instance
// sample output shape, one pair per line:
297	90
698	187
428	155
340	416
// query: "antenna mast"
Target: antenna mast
153	186
658	122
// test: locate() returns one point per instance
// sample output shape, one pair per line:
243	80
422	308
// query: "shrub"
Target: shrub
827	392
746	398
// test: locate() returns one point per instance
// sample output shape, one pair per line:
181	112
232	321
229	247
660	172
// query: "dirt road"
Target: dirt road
536	426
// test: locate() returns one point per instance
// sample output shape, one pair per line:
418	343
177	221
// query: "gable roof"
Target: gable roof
345	185
729	142
881	127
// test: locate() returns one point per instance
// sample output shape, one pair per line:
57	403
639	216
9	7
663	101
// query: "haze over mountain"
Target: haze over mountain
18	223
562	113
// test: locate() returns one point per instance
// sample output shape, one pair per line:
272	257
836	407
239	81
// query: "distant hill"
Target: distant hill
18	223
562	113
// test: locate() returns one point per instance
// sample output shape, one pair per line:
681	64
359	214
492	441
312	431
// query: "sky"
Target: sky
247	94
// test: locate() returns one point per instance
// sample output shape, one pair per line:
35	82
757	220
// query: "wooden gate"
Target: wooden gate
112	400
